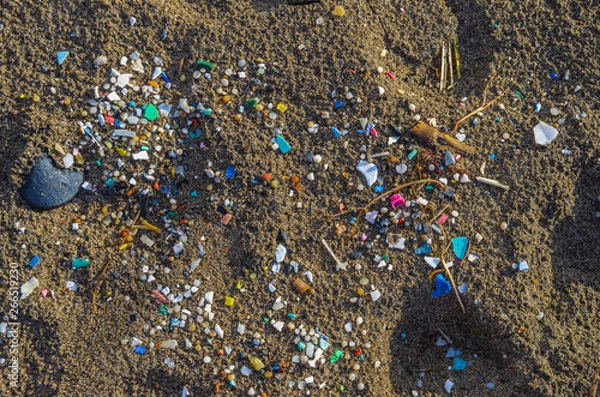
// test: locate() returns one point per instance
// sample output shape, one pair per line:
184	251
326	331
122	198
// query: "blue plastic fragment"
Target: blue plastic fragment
164	77
139	350
458	364
452	352
459	246
60	56
284	147
378	189
230	172
338	103
554	76
336	132
442	287
33	262
423	250
194	194
522	266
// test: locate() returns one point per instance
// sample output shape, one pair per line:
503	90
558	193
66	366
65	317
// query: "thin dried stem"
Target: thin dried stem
97	284
474	112
385	194
462	306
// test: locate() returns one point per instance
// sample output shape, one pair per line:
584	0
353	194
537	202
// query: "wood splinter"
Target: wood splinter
431	135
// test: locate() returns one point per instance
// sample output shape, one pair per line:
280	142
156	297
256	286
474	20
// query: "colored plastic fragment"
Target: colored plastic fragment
460	246
80	262
336	356
33	262
442	287
458	364
396	200
139	350
230	172
423	250
284	147
151	113
60	57
205	65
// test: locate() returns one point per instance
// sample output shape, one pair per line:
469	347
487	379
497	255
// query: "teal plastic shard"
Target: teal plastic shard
80	262
460	246
60	56
283	145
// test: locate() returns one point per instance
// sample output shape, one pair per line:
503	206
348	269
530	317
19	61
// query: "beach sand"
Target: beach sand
69	347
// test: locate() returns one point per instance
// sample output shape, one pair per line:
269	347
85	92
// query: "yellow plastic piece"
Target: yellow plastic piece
338	11
282	107
257	364
229	301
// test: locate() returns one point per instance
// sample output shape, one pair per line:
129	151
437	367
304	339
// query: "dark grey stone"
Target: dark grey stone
48	186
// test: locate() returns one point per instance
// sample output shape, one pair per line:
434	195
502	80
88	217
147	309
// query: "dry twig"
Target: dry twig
97	280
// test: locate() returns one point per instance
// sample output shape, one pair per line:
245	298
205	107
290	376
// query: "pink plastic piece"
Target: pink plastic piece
44	293
389	74
443	218
373	132
363	237
397	201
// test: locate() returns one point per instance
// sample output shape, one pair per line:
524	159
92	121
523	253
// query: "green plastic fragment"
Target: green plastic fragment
336	356
205	65
412	154
151	113
163	310
145	148
250	103
206	112
429	187
80	262
98	163
519	94
171	214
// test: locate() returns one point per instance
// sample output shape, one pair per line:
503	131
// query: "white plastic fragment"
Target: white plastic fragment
123	133
245	371
280	253
241	329
448	386
195	264
431	261
177	248
278	325
141	155
68	160
375	294
395	241
369	171
544	133
147	240
28	287
168	344
219	331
